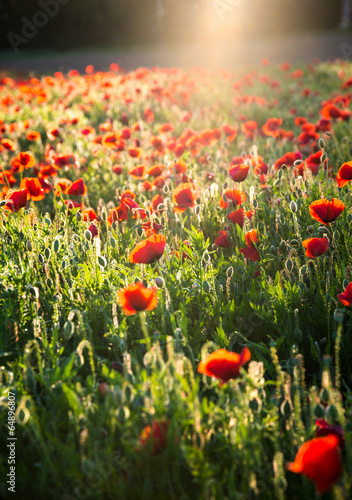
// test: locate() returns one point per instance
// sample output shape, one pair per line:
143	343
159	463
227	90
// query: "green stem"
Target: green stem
145	330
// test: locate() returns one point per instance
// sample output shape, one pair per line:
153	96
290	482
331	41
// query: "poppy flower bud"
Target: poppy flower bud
47	253
293	207
87	235
229	272
159	281
310	229
206	287
49	282
112	242
78	216
338	316
197	209
331	413
319	411
289	265
286	409
324	396
41	258
139	231
272	250
298	335
283	246
165	188
303	270
345	283
29	245
321	143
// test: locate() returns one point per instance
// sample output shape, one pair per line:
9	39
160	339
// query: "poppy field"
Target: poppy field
176	283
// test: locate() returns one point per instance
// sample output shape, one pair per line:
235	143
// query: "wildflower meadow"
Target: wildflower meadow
176	283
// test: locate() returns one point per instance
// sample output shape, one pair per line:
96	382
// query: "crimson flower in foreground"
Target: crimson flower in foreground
320	460
137	297
344	175
324	429
326	211
315	246
223	364
16	200
250	251
346	297
148	250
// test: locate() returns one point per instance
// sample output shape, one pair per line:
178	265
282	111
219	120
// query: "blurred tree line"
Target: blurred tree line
65	24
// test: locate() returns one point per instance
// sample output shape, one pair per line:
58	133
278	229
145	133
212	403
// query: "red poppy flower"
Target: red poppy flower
315	246
7	178
154	437
157	200
34	188
135	152
8	144
230	132
320	460
184	196
93	230
250	251
326	211
33	136
272	126
110	139
25	160
324	429
61	185
89	215
237	216
249	128
77	188
137	297
137	172
16	200
156	170
344	175
53	133
223	364
346	297
239	172
222	240
149	250
232	198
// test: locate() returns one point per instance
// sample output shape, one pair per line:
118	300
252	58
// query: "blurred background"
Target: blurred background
63	25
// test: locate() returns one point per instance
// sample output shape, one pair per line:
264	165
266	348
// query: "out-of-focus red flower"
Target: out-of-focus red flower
237	216
233	197
15	200
320	460
230	132
315	246
222	240
33	136
137	172
137	297
344	175
61	185
149	250
77	188
154	438
324	429
184	196
93	230
239	172
89	215
249	128
250	251
326	211
8	144
223	364
271	127
7	178
346	297
34	188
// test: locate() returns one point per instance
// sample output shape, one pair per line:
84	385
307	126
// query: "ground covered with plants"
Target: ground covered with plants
175	294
